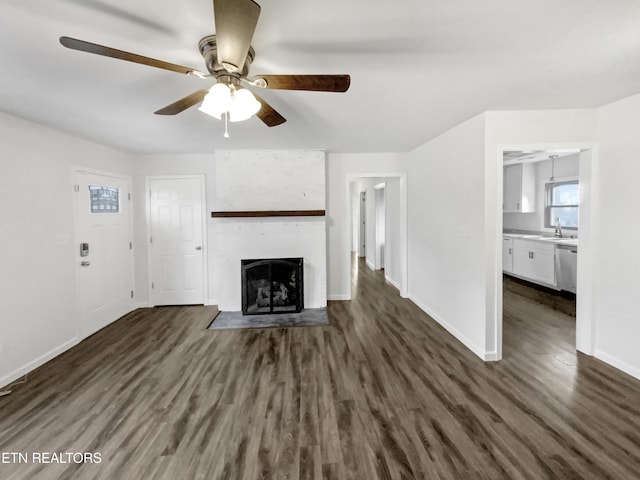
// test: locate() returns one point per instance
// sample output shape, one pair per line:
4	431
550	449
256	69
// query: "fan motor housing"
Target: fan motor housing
208	49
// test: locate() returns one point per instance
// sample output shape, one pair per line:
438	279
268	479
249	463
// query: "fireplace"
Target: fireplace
272	285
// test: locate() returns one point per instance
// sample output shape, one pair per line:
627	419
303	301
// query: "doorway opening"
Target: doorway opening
376	232
545	221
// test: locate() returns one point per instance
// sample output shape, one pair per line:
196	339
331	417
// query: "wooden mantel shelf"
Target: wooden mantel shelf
269	213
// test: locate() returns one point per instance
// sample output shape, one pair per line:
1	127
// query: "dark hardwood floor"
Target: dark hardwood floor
382	393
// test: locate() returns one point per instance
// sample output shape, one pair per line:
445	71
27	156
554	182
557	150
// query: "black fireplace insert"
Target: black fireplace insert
272	285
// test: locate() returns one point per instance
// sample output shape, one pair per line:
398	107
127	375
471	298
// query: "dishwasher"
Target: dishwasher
566	267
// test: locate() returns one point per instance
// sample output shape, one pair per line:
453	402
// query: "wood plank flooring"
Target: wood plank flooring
382	393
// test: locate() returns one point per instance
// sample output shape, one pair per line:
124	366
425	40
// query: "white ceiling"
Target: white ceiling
418	67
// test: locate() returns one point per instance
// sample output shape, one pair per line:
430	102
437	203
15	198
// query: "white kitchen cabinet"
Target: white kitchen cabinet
535	261
507	254
519	188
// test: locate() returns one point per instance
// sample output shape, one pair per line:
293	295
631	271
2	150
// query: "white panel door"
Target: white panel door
176	241
105	273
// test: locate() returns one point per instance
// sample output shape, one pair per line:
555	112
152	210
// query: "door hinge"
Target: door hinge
130	246
149	193
129	196
152	285
131	293
76	188
150	239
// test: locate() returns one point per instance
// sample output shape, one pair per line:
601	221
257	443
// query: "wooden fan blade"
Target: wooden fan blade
315	83
89	47
183	103
236	22
268	114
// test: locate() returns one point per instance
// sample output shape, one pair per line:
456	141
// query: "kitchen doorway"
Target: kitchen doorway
545	243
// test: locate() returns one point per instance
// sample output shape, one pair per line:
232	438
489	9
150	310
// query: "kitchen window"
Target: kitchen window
562	202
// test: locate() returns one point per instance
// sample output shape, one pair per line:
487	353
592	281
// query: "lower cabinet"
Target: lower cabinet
507	254
535	261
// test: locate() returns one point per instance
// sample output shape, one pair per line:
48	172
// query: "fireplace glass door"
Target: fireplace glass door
272	285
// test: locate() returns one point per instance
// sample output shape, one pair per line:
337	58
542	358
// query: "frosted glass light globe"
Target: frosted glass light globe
243	106
217	101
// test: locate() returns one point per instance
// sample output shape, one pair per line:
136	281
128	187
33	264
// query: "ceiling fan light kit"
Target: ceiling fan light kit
228	55
240	104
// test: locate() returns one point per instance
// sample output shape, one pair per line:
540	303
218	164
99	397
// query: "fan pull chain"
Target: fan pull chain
226	125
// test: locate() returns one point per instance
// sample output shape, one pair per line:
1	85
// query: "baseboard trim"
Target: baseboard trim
370	265
210	302
617	363
452	330
144	304
392	282
41	360
338	297
491	356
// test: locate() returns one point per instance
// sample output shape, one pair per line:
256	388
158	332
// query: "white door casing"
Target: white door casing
105	274
176	240
380	227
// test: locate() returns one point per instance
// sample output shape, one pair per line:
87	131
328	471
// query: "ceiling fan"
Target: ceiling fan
228	55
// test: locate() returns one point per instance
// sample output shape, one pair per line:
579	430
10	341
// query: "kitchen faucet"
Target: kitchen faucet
558	232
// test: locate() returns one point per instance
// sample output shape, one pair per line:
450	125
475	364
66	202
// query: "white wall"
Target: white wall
342	169
38	306
616	258
565	167
447	231
355	211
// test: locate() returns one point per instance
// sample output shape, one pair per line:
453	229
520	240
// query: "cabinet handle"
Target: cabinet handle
510	251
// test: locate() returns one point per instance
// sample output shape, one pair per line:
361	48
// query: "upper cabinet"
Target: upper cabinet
519	188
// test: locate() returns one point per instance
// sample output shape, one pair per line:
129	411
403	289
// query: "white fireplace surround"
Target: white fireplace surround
269	180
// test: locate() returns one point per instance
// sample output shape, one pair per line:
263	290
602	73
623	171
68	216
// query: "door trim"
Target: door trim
76	170
205	244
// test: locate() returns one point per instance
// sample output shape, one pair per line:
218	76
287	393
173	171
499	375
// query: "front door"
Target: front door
176	241
104	251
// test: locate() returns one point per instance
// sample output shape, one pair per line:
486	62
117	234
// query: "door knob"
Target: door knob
85	264
198	247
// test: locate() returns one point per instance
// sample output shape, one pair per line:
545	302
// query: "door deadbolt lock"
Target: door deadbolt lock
85	264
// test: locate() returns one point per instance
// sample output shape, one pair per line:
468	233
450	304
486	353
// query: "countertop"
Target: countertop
539	237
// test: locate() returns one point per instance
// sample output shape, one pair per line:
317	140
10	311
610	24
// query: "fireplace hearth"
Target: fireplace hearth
272	285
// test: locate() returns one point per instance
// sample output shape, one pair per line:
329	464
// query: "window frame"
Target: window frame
105	211
548	223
